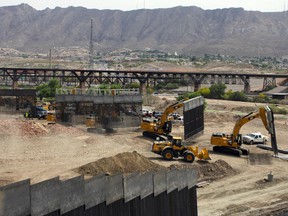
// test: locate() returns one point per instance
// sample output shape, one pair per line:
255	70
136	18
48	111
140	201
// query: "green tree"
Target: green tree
48	90
43	91
115	86
205	92
53	85
132	85
217	91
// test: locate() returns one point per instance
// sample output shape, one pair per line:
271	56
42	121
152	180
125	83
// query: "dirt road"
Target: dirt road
31	150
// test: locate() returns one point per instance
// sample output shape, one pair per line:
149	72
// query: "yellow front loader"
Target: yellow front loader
174	149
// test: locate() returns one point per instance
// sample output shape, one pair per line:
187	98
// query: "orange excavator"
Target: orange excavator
231	143
161	128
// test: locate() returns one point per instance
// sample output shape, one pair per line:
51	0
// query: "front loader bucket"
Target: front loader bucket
204	154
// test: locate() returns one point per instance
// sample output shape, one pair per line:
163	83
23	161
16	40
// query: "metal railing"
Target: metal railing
96	92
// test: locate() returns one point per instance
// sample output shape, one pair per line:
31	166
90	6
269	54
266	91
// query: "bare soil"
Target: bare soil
237	185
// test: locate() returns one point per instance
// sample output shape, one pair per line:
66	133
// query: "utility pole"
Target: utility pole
50	58
91	47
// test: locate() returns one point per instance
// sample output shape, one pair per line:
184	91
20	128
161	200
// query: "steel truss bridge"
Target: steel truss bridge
14	77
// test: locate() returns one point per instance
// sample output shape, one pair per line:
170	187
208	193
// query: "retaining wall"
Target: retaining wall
169	193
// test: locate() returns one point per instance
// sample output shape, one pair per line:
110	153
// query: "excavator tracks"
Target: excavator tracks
231	151
156	136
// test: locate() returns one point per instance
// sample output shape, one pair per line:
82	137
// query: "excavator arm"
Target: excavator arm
249	117
161	129
170	109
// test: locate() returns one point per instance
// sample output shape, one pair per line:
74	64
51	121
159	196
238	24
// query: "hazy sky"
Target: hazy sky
256	5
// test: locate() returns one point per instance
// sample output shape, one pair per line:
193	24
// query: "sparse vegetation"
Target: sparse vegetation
278	110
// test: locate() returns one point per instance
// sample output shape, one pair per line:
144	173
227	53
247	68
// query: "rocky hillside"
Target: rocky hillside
188	30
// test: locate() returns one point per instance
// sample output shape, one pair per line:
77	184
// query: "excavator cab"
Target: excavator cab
167	127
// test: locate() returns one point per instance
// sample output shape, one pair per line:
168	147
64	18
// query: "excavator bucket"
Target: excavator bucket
204	154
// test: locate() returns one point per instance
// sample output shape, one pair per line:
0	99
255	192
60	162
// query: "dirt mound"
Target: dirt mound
127	162
209	171
30	129
24	129
214	171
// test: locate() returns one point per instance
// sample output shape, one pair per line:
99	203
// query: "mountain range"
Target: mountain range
185	30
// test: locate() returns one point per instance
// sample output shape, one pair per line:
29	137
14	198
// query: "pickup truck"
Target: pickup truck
255	138
41	113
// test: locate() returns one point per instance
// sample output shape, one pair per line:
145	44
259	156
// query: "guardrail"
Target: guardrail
96	92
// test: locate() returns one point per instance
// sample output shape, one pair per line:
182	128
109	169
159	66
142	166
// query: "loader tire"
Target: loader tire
168	154
189	157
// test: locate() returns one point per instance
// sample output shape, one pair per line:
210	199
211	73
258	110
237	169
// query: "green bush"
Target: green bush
48	90
274	101
170	86
205	92
132	85
261	98
238	96
278	110
188	95
217	91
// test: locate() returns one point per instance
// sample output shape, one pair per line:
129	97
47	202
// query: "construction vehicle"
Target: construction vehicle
51	117
174	149
160	128
231	143
46	105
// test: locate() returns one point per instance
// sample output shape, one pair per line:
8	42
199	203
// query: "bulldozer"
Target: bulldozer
175	149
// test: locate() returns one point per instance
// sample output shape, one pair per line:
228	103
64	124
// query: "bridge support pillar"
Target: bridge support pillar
246	81
197	86
143	89
15	84
247	88
197	80
82	86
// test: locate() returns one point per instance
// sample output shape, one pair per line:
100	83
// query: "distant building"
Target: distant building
279	93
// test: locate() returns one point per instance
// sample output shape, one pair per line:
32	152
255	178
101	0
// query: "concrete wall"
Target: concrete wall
162	193
110	112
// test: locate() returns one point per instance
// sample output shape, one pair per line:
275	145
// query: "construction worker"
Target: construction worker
30	116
